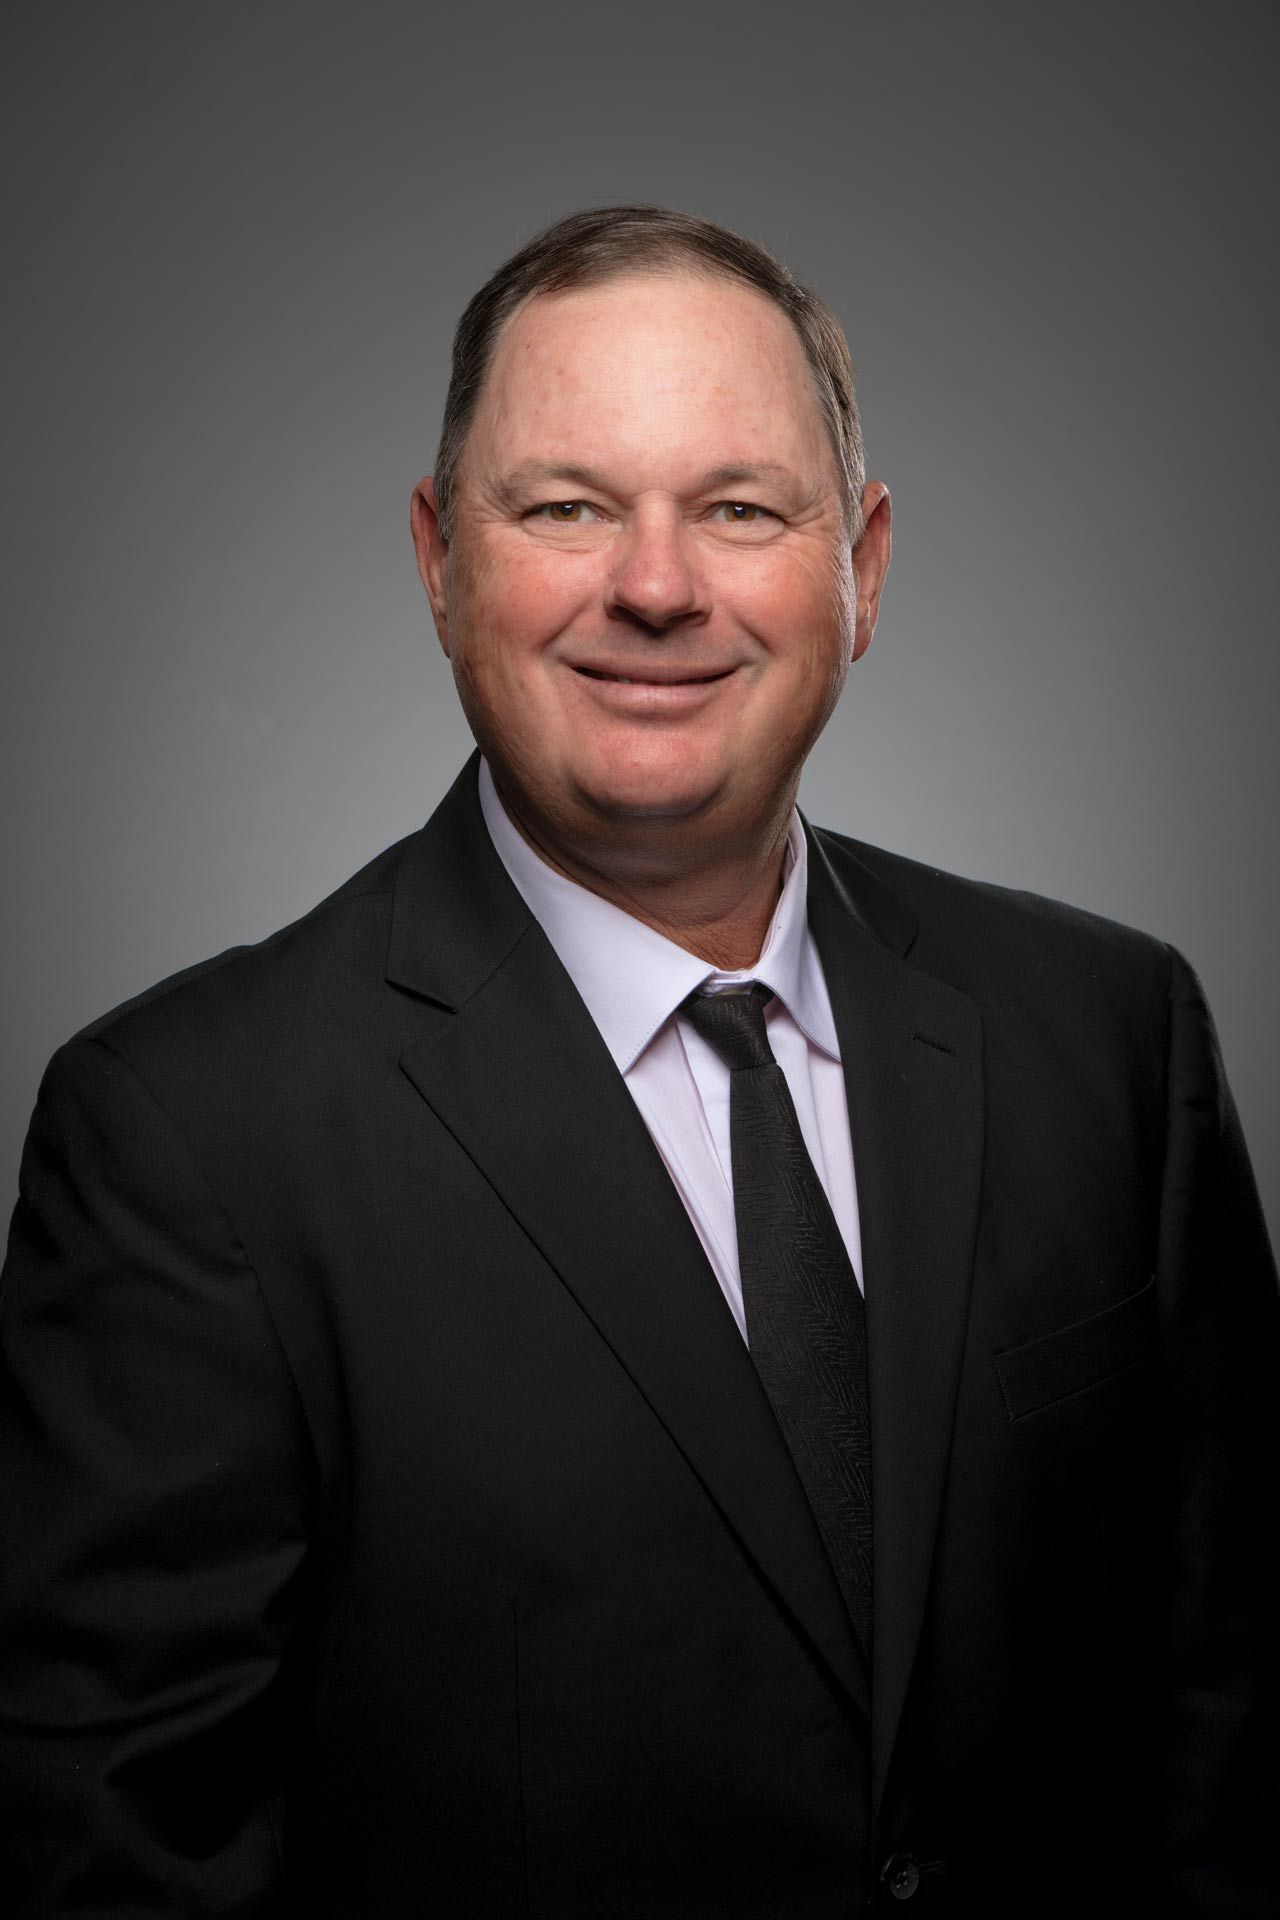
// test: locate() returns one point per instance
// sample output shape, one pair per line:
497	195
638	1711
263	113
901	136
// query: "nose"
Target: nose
656	581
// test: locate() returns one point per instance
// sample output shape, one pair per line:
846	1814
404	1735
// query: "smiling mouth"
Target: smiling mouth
650	680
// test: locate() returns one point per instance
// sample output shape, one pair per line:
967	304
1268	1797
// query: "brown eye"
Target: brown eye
566	513
740	513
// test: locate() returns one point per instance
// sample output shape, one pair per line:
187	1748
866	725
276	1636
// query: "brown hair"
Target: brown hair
601	243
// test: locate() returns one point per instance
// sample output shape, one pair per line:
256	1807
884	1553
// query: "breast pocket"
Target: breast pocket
1085	1354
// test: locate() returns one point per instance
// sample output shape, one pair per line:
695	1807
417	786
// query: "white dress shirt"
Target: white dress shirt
633	980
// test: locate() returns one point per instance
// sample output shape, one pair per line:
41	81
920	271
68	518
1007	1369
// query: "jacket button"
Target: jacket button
901	1875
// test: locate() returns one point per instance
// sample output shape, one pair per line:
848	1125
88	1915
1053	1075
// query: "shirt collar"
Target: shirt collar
633	978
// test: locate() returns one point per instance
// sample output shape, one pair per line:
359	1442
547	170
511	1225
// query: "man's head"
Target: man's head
641	539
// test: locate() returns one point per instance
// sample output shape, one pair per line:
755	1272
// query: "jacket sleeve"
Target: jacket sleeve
155	1475
1221	1342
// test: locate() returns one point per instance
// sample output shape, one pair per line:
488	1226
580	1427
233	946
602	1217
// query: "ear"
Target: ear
432	550
871	561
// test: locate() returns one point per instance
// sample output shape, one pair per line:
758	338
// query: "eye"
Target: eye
564	513
741	513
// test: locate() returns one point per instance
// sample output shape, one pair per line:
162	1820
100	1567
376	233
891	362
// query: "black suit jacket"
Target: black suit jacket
394	1523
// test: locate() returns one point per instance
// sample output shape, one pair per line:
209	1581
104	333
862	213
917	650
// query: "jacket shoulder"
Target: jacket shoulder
997	942
267	989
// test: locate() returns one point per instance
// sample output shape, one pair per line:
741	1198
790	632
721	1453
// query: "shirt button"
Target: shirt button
901	1875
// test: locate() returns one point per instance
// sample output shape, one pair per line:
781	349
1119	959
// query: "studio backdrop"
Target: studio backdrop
238	239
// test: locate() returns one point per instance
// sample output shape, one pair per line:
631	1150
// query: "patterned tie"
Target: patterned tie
806	1326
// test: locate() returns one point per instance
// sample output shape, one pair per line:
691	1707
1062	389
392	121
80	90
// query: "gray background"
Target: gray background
239	237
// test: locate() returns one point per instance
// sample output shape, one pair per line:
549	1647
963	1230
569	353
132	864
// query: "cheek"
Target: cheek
503	612
797	610
528	595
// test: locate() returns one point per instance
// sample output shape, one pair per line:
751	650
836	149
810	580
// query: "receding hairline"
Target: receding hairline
690	266
614	275
678	261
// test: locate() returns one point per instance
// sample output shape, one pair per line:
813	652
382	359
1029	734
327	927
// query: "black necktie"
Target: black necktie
806	1327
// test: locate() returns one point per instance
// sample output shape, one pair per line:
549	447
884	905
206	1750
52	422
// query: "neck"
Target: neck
716	901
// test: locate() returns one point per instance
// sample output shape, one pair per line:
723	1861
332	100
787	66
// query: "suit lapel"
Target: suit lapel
911	1048
519	1075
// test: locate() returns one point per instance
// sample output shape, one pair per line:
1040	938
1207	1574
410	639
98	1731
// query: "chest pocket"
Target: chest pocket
1082	1355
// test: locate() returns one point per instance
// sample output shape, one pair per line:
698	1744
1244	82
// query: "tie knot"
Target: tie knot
733	1024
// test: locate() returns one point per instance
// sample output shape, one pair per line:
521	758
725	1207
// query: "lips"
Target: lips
652	679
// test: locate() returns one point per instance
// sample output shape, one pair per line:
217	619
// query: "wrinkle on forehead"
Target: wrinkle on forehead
655	374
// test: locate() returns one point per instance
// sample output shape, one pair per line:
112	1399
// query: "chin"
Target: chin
619	800
654	786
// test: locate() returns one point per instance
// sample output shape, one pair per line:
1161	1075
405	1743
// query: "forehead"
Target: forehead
661	365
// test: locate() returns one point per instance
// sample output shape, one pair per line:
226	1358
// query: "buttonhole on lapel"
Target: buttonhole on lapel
939	1046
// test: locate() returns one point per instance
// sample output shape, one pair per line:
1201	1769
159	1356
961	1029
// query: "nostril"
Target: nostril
648	624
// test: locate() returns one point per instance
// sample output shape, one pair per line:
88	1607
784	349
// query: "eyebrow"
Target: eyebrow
532	472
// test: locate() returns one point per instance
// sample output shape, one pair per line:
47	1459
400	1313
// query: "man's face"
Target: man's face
648	598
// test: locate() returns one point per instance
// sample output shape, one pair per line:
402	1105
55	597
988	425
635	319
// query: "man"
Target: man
644	1359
